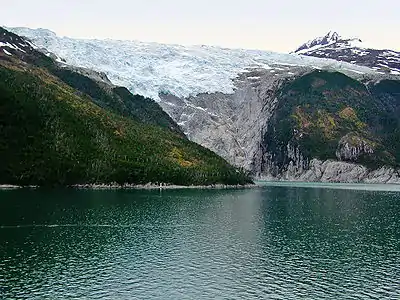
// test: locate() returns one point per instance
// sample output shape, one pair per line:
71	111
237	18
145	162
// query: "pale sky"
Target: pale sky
278	25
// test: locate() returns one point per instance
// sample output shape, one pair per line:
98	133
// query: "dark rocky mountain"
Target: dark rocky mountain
330	38
60	127
352	51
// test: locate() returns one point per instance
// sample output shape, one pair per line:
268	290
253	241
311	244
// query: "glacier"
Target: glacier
151	69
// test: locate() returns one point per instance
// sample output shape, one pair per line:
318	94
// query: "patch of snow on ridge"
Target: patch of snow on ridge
151	68
6	52
2	44
313	48
355	71
11	46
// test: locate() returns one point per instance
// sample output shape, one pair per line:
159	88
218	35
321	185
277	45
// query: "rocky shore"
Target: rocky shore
337	171
149	186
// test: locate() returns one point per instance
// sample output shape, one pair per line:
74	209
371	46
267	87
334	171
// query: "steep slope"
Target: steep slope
353	51
94	84
53	134
301	124
331	116
232	124
117	99
239	103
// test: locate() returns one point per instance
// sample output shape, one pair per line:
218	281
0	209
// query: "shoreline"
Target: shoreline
148	186
16	187
151	186
257	184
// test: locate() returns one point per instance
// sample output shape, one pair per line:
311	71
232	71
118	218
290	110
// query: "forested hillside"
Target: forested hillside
328	115
58	127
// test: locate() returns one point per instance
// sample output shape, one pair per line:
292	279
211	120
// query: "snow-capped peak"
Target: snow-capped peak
332	36
352	50
328	39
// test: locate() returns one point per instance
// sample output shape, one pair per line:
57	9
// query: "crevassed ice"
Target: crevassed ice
151	68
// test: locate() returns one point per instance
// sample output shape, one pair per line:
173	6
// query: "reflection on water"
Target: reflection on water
270	242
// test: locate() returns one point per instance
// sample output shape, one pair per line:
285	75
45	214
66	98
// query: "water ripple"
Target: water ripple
272	243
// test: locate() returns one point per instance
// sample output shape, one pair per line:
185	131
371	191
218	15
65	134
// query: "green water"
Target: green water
273	242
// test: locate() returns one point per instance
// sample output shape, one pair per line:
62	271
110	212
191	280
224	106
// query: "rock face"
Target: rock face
232	125
352	50
337	171
334	171
351	147
331	128
298	124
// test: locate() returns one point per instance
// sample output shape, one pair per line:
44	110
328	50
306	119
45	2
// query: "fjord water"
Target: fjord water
272	242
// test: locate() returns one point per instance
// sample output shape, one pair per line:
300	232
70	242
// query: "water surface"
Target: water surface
273	242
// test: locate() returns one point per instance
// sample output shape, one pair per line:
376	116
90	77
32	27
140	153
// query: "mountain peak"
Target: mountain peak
330	38
352	50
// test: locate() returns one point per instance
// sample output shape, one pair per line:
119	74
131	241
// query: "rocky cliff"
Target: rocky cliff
295	123
232	125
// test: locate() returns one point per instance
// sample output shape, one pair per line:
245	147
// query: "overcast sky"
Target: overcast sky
279	25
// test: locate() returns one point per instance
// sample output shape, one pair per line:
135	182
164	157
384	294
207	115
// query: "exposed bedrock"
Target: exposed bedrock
294	123
231	125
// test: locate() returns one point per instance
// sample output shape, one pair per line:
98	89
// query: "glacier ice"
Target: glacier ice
149	69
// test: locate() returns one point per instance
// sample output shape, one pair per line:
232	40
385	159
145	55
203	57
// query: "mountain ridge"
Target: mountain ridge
352	50
149	69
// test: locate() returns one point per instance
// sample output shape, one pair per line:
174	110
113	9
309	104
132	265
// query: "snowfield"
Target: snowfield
151	68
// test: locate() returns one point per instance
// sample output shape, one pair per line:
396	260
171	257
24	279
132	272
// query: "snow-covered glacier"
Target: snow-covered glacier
149	69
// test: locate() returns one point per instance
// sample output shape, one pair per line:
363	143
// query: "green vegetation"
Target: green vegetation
317	110
49	135
118	99
58	127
